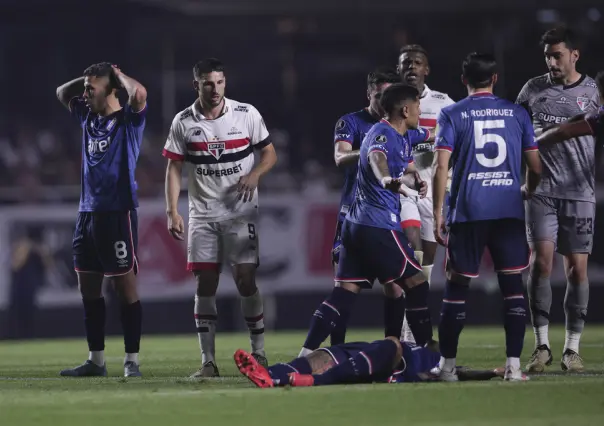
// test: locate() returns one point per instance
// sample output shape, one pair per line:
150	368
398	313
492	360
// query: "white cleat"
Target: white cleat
514	375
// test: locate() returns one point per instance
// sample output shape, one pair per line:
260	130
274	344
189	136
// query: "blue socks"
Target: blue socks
394	313
452	318
418	314
280	372
333	310
514	312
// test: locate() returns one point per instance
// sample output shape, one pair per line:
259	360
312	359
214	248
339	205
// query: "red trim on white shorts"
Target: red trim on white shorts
411	223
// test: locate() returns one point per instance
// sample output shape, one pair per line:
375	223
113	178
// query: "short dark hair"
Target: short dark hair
415	48
103	69
382	75
560	34
478	69
600	81
206	66
396	94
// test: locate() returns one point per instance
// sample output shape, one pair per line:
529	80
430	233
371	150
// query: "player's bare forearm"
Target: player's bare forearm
409	178
173	178
439	180
379	165
268	158
70	90
344	155
533	170
137	94
573	128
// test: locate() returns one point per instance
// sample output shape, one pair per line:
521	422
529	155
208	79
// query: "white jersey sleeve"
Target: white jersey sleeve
256	127
176	146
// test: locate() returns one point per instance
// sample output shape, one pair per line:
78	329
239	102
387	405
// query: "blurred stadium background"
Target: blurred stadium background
302	64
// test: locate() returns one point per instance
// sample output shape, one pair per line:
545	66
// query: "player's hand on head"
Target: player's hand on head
422	188
246	187
176	226
440	230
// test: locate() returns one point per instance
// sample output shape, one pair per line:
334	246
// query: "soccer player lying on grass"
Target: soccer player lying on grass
388	360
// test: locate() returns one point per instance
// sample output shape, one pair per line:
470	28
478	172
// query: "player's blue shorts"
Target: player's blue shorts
337	242
505	239
106	242
342	353
369	253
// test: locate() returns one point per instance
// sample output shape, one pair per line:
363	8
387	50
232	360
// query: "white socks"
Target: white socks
572	341
98	357
541	335
205	321
253	312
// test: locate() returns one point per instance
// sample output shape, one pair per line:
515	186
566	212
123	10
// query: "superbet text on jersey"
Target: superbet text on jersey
220	151
486	136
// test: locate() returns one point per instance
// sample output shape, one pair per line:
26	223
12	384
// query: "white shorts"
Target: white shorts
211	243
417	212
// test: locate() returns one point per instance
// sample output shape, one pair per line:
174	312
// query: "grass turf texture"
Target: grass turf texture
31	392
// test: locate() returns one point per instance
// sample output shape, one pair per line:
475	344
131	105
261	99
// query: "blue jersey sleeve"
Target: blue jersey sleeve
417	136
345	130
528	132
135	118
78	109
382	142
445	136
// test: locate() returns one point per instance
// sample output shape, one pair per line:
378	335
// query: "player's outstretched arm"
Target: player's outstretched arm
66	92
176	225
379	166
343	154
137	94
573	128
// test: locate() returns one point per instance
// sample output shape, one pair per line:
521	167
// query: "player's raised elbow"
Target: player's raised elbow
138	99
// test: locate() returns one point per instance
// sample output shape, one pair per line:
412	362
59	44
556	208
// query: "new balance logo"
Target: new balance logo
197	133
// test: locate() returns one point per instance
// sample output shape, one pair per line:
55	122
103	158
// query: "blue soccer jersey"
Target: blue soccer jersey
374	205
110	149
351	128
486	136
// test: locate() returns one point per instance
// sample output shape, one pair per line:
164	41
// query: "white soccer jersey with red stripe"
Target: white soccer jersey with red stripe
219	152
431	102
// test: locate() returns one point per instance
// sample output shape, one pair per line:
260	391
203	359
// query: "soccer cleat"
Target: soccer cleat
300	380
261	359
571	361
209	369
249	366
541	357
514	375
88	369
131	369
444	375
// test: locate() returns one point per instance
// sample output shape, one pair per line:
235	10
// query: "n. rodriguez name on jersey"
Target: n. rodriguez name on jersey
220	152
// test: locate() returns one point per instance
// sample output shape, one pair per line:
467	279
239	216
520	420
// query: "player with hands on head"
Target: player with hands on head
106	232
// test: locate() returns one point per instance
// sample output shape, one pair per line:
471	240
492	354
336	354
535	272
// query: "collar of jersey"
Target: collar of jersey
482	94
426	91
200	116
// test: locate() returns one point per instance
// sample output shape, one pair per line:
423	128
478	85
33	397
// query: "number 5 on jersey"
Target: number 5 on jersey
481	139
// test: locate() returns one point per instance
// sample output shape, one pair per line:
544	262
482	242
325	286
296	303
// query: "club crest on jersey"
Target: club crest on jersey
216	149
582	101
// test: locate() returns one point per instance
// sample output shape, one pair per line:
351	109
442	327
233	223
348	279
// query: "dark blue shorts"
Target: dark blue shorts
337	243
341	353
369	253
505	239
106	242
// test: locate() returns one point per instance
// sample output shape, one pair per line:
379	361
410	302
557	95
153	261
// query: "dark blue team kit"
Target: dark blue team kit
106	233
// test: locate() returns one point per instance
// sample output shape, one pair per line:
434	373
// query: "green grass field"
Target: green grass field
31	393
